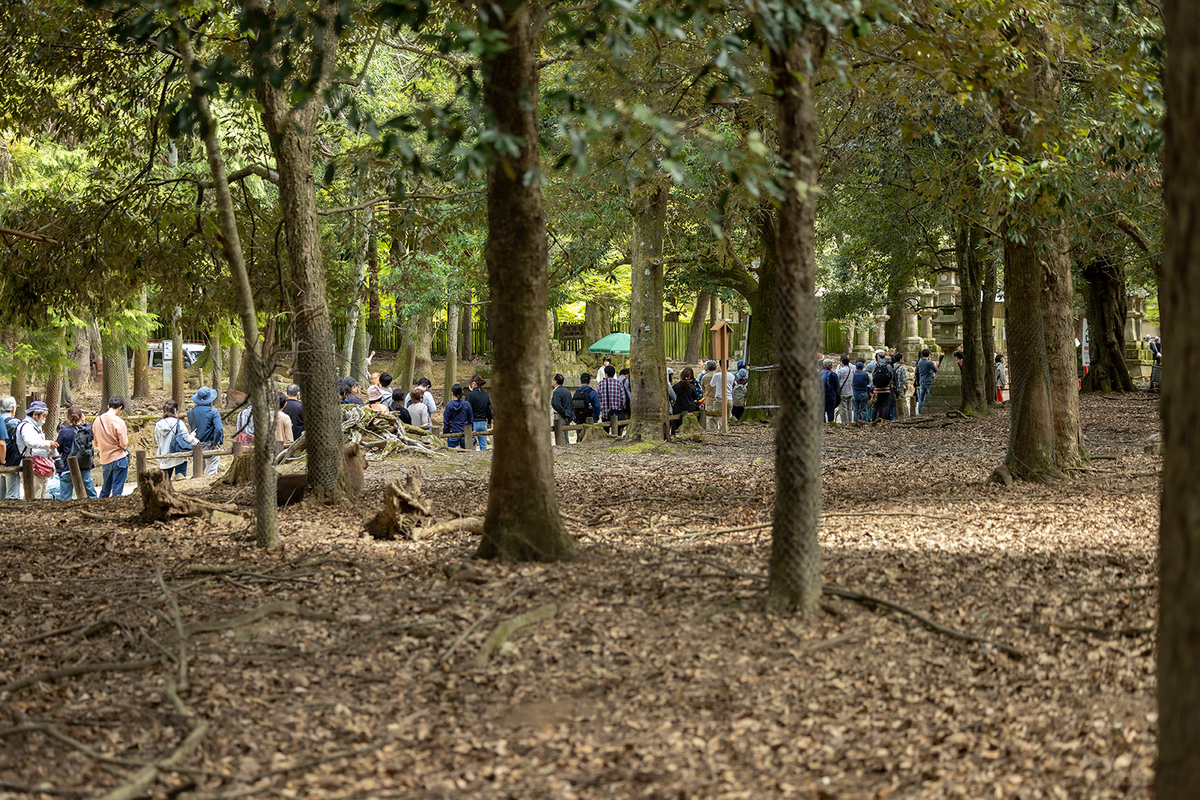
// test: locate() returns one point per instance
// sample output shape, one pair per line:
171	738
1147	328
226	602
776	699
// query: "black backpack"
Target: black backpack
883	376
583	403
12	455
81	448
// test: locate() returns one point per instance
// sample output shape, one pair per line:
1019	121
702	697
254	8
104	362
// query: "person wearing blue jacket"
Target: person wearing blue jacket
830	382
205	422
861	382
585	400
457	417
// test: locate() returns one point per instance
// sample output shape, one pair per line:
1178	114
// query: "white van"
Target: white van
154	353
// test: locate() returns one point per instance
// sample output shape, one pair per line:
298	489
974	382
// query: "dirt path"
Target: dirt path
657	676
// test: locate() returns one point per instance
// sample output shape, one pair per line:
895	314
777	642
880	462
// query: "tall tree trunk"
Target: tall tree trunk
467	347
794	578
213	345
522	521
54	385
1061	355
141	365
178	363
373	272
974	370
80	375
762	390
235	366
597	321
290	130
266	523
696	331
95	348
404	368
68	397
115	370
451	348
358	356
1104	298
357	295
1178	774
987	313
423	346
647	348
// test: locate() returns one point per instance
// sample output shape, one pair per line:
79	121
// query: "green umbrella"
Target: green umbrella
613	343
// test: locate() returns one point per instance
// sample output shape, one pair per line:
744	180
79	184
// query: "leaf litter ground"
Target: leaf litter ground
357	675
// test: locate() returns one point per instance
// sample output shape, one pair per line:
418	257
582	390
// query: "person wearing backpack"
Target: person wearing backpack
75	441
585	400
561	405
34	445
926	372
207	426
741	386
172	436
687	398
9	483
881	381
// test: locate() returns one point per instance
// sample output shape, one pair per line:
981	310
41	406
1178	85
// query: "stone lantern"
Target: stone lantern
862	341
881	318
947	332
912	344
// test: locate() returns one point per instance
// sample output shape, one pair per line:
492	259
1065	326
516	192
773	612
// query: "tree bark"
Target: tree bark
1104	299
373	272
141	371
522	521
987	313
466	346
794	577
266	522
68	397
597	322
358	294
647	349
115	373
451	348
290	130
1178	773
691	353
178	363
54	385
80	375
422	346
974	370
762	390
235	366
213	345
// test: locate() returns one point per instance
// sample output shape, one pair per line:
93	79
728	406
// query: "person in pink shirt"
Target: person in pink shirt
112	447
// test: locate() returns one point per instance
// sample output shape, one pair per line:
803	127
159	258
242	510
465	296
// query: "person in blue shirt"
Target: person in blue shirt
10	484
829	381
206	425
861	382
457	417
926	370
585	400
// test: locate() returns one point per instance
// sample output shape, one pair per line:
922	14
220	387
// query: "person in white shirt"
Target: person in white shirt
846	390
32	442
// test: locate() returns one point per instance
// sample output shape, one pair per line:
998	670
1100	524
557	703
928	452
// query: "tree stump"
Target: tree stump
240	471
159	501
403	509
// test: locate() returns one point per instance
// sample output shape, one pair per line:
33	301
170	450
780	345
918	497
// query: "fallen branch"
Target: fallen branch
463	524
755	527
507	628
137	785
19	789
84	629
1133	587
101	517
265	610
868	600
82	669
1110	633
449	651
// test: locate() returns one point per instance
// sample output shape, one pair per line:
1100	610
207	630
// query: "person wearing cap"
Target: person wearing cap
351	396
33	443
861	383
741	387
206	425
926	370
111	443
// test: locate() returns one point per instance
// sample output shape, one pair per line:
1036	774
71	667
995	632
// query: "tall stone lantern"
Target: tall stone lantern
947	332
912	344
881	318
862	341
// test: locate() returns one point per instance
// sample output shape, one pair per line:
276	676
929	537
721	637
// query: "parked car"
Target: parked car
154	354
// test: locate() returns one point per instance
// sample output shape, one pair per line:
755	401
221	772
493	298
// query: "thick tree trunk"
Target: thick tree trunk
1104	298
213	346
54	385
423	346
522	521
794	578
987	313
1061	355
290	130
647	349
696	332
404	368
68	397
1178	775
80	375
358	293
235	366
451	348
178	364
266	522
974	369
141	373
115	372
597	322
359	369
466	346
762	390
373	273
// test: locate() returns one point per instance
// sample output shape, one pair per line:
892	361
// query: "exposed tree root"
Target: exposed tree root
82	669
507	628
463	524
402	508
265	610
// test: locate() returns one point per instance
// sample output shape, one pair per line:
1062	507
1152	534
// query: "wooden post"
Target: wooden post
27	477
197	460
77	478
140	459
558	431
469	437
703	416
720	342
579	433
236	450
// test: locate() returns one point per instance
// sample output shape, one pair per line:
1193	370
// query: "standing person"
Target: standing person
607	362
481	410
561	406
33	444
722	392
687	397
295	410
375	399
75	440
245	426
860	381
1001	378
165	432
708	390
882	381
829	382
418	411
206	424
879	354
8	446
623	377
585	401
845	391
741	386
283	427
958	356
385	386
112	447
900	386
456	417
427	396
926	370
613	397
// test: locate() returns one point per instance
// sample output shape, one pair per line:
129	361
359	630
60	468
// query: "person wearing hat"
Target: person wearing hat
860	381
207	426
375	398
350	395
34	444
111	443
741	388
